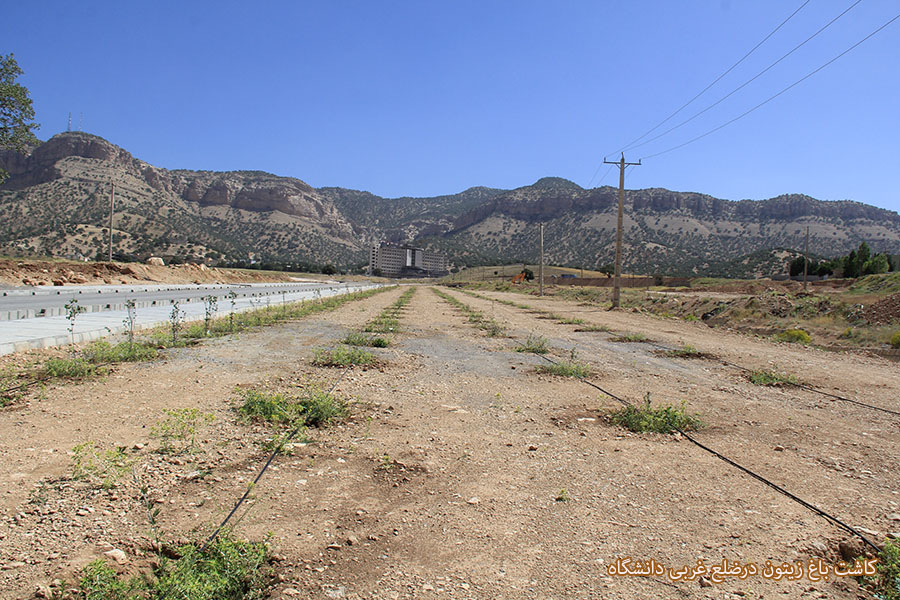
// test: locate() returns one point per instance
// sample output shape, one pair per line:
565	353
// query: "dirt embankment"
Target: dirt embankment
32	272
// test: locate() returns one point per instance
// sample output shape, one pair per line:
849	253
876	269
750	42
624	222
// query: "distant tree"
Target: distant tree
16	113
529	274
796	266
377	272
329	270
607	270
850	265
877	264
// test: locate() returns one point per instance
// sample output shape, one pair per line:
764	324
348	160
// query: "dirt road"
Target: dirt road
462	473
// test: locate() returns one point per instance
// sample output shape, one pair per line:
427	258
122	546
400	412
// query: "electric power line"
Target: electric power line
746	83
770	98
716	80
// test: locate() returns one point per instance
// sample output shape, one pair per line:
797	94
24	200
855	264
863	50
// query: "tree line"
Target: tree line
858	263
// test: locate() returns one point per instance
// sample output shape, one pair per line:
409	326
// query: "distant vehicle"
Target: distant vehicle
568	276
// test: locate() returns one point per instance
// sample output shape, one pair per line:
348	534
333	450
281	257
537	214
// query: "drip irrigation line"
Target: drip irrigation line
265	467
744	469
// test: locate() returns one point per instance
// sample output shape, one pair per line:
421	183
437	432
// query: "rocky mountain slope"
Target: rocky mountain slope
57	201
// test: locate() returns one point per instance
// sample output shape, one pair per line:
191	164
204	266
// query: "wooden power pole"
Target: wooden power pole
541	266
806	258
112	203
617	282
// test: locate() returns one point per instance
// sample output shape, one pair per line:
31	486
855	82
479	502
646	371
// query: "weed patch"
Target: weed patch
314	408
886	582
535	344
661	419
895	340
566	369
686	351
177	431
630	337
102	467
601	328
479	319
228	569
361	339
772	378
342	356
794	336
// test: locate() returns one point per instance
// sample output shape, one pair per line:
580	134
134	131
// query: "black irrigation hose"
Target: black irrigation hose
756	476
262	471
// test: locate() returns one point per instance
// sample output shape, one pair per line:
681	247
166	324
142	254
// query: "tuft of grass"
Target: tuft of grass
342	356
661	419
895	340
686	351
602	328
691	318
69	368
103	352
630	337
177	431
534	343
794	336
571	321
361	339
228	569
772	378
563	496
566	369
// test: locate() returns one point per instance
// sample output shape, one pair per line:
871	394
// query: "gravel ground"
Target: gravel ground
462	472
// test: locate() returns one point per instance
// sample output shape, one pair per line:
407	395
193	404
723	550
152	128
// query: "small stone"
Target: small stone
427	588
333	546
138	446
117	555
13	565
779	448
818	546
532	448
352	540
474	500
290	592
894	517
705	583
42	591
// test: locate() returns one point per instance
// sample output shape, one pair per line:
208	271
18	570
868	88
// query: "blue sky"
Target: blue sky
426	98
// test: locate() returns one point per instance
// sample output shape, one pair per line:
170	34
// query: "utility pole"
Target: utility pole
806	258
541	266
112	203
617	282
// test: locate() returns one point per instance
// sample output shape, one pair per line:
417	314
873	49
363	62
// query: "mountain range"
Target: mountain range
57	199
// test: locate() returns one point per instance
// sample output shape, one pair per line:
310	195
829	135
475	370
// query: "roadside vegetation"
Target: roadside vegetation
96	359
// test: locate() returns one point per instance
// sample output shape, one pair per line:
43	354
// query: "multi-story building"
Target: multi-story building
393	260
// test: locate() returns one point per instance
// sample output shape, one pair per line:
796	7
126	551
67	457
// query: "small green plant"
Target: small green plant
895	340
846	334
177	431
103	467
630	337
210	306
662	419
361	339
128	321
571	321
772	378
563	496
386	463
566	369
691	318
342	356
794	336
227	569
232	299
72	310
314	407
686	351
102	352
601	328
886	582
535	344
176	318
